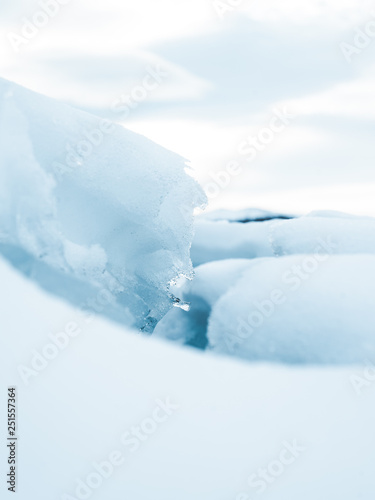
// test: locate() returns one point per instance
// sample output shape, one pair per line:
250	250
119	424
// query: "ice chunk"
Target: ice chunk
211	281
91	205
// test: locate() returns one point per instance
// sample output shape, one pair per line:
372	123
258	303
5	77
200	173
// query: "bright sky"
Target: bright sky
226	74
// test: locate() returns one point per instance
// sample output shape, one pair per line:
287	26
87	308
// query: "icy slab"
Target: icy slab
207	424
211	281
87	207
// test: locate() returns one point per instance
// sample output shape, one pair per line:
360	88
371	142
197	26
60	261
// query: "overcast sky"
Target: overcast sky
226	72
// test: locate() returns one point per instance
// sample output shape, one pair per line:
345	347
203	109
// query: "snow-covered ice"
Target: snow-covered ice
211	281
87	207
344	233
221	237
298	309
222	240
292	291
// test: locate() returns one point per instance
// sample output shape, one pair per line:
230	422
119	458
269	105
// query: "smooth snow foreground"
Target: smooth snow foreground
90	209
108	415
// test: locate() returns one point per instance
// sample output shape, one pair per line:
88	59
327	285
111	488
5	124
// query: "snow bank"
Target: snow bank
222	421
87	207
345	234
298	309
223	240
220	237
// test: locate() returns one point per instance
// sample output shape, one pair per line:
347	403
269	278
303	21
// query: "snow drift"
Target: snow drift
228	419
235	236
297	309
88	208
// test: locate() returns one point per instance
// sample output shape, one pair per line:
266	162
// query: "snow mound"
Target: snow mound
223	240
305	309
342	233
299	309
220	239
87	207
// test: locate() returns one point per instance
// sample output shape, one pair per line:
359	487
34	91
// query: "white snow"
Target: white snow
86	205
230	240
220	239
232	418
291	291
299	309
345	234
306	309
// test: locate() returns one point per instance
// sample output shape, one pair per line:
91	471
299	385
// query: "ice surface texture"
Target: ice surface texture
88	208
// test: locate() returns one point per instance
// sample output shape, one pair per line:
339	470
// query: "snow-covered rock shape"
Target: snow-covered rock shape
309	309
300	309
342	233
90	209
220	238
